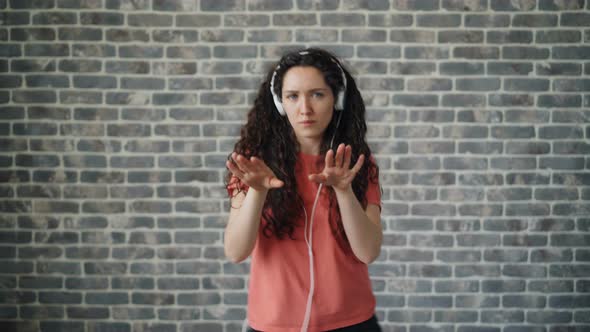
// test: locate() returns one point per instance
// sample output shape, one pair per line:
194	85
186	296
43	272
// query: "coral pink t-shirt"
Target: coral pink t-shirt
279	276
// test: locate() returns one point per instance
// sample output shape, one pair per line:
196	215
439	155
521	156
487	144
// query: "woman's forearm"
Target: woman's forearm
242	227
365	236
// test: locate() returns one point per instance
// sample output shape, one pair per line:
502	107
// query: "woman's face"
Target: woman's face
309	104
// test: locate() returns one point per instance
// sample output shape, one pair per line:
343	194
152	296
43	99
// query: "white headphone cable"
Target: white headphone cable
309	243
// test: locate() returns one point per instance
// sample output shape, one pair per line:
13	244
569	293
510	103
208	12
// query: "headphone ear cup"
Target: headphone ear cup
280	109
278	104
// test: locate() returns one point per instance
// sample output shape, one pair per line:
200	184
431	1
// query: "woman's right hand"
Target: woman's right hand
253	172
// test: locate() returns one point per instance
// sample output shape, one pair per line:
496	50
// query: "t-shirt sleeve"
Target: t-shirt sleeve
234	184
373	193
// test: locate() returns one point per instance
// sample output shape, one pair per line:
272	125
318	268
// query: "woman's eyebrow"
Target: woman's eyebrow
313	89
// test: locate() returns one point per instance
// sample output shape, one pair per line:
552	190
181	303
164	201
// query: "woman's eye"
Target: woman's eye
318	94
292	97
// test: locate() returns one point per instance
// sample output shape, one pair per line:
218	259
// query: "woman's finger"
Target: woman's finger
258	164
234	169
243	163
234	157
275	183
347	157
252	166
359	164
234	163
340	155
330	158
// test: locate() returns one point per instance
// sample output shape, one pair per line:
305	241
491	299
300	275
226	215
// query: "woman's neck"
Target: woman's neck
309	148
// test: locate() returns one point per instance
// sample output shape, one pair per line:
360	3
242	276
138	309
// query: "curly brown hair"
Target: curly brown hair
270	137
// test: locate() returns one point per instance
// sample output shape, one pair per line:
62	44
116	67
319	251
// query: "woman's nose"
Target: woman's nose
305	106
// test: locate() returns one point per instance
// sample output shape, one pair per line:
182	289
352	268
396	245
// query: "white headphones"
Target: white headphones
339	105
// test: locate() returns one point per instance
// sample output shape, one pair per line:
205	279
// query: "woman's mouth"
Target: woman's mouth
307	122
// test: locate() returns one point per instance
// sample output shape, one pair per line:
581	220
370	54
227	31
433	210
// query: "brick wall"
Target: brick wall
116	117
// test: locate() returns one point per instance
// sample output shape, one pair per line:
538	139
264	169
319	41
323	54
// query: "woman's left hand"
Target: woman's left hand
337	172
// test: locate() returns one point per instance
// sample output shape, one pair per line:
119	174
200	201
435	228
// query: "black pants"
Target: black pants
369	325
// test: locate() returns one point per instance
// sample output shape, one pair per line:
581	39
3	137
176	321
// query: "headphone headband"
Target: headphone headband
338	105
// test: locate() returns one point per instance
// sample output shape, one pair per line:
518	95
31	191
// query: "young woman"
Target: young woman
305	200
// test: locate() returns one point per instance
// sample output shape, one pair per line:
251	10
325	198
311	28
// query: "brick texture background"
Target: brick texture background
116	117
